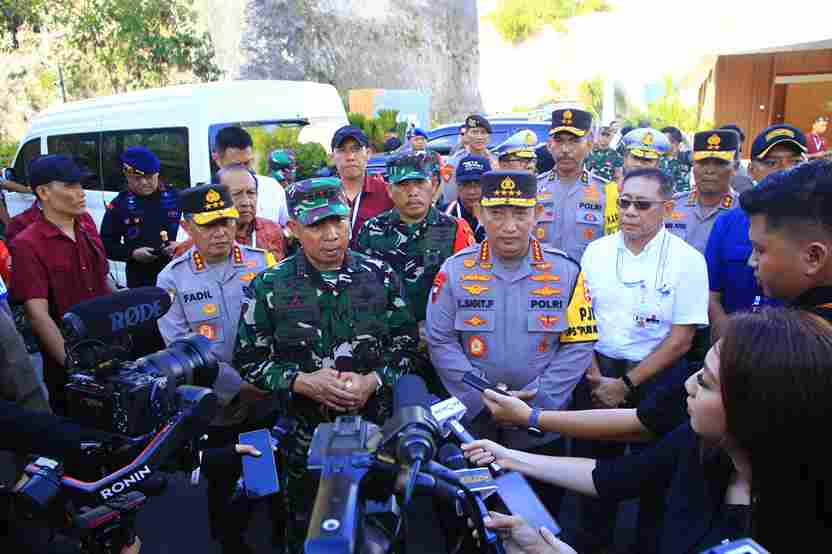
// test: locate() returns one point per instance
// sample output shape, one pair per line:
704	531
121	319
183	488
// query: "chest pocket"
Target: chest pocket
438	247
205	313
368	303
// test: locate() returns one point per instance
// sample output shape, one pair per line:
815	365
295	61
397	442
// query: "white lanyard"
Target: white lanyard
355	207
818	141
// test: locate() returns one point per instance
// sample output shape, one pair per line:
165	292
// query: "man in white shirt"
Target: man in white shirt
649	293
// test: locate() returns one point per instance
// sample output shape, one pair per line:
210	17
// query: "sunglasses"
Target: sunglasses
641	205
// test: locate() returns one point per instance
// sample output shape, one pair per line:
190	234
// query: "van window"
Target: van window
266	136
29	152
170	146
82	147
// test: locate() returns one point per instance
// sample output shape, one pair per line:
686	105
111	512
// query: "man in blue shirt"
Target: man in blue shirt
733	285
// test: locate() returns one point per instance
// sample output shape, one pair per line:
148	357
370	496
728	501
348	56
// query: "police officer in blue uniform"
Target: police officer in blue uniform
141	222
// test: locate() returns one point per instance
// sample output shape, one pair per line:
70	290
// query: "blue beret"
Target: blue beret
417	132
141	160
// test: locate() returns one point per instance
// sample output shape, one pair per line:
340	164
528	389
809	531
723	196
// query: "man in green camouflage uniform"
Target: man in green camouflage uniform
324	308
415	239
603	161
676	164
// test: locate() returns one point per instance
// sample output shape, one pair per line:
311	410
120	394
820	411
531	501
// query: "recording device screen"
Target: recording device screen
259	473
520	500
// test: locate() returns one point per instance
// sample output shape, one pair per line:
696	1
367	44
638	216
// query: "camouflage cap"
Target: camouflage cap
411	165
282	165
647	143
312	200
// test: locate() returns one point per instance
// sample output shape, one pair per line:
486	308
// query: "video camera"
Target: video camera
99	513
363	467
107	390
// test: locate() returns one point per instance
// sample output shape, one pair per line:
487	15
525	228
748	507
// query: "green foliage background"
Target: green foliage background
375	127
310	156
516	20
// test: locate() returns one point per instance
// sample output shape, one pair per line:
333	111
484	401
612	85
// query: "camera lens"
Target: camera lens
188	361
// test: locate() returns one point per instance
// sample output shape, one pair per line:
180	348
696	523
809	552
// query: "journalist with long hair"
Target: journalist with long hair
748	463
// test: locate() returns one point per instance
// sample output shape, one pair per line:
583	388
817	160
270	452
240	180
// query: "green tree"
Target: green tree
15	14
668	109
591	96
134	44
516	20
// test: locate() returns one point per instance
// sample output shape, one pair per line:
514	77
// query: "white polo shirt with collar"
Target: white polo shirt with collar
637	298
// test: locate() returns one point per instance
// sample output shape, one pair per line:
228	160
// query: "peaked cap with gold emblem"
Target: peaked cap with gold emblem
509	188
575	121
207	203
721	144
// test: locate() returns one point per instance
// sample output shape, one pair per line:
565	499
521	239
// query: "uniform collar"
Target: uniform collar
429	219
534	257
305	269
654	244
728	200
819	297
198	263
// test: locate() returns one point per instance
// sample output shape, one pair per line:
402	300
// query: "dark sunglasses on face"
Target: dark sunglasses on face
641	205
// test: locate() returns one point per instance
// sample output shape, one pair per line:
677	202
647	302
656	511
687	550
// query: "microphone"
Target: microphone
451	455
115	314
412	427
447	415
477	479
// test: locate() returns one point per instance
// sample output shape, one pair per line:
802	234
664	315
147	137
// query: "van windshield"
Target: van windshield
266	137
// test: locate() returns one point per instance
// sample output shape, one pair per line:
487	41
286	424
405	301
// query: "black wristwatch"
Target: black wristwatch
629	383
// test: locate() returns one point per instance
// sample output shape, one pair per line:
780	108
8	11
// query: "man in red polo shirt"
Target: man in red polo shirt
59	261
367	195
815	141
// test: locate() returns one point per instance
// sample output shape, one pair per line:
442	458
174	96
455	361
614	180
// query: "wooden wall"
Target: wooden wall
745	86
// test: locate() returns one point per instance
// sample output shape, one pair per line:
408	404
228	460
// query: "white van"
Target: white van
177	123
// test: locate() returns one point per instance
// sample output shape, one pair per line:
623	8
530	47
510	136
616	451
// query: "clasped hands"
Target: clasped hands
342	391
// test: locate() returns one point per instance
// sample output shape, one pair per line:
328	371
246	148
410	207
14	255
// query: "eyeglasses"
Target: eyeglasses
641	205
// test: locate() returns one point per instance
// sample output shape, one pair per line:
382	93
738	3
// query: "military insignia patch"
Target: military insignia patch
543	266
548	320
248	277
714	142
251	264
547	291
727	201
540	233
676	216
207	330
209	309
589	234
438	282
477	347
476	290
476	277
546	277
476	321
468	264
